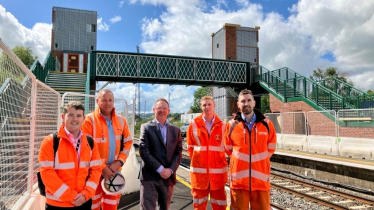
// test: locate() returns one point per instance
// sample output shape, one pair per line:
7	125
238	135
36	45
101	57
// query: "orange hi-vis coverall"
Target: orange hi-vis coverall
250	154
95	125
63	175
208	169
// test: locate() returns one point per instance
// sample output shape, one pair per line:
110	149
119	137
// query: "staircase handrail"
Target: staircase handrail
41	74
345	84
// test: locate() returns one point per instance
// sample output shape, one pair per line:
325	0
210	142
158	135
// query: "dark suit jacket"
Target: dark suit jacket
155	153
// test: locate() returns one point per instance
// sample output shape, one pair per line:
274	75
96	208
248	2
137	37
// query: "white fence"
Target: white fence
348	133
29	111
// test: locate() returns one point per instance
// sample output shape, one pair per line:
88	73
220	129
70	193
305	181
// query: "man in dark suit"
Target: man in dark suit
161	151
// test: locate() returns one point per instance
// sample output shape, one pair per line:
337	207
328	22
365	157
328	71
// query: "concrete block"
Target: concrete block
295	142
323	145
356	148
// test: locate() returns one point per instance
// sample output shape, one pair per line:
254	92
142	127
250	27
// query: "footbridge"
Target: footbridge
166	69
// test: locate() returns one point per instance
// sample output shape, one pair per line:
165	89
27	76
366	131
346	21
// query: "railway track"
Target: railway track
324	196
288	193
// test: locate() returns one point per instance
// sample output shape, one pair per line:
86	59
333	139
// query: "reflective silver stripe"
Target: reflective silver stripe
116	156
215	148
121	120
228	147
260	156
95	163
70	165
260	175
91	184
240	175
218	202
198	170
272	146
194	131
100	140
197	148
254	174
127	139
84	164
93	124
217	170
201	200
60	191
254	158
118	137
110	201
96	205
96	197
49	196
190	146
59	165
46	163
125	151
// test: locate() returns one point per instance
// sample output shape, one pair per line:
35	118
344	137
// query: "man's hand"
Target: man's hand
165	173
107	173
79	200
115	166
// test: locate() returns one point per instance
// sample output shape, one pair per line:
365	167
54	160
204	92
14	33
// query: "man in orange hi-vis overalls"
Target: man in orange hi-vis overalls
108	129
250	140
208	169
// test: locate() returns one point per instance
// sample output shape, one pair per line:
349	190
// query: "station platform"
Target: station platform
182	198
336	169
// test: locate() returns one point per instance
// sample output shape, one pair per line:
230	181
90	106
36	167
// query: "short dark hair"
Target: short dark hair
162	99
73	104
245	92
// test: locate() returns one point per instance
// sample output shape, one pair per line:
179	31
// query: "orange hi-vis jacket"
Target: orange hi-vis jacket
207	154
95	125
63	176
250	152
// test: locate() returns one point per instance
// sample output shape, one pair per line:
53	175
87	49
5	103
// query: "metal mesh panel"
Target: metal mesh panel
357	123
321	123
29	112
294	123
15	112
89	102
47	117
276	119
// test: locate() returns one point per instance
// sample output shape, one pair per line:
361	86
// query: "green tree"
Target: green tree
330	72
25	54
371	92
265	104
198	94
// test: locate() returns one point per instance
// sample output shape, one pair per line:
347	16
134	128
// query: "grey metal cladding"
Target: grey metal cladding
246	41
219	39
71	32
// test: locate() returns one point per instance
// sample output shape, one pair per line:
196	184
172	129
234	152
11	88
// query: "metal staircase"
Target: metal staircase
288	85
67	82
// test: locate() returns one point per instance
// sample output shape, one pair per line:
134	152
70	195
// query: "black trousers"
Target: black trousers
85	206
152	192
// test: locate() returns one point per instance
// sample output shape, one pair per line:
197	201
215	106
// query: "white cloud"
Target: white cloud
38	38
115	19
102	26
343	28
121	3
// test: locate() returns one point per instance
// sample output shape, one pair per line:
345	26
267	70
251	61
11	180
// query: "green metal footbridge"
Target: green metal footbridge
284	83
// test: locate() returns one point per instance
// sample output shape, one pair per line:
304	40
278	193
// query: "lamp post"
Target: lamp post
145	106
169	100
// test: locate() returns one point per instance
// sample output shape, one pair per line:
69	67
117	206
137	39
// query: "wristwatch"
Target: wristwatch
121	162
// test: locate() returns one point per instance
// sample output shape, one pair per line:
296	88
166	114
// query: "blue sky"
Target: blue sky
302	35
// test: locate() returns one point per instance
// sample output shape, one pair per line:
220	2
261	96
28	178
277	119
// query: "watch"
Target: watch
121	162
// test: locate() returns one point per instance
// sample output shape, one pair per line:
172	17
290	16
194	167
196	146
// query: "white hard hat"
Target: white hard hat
114	185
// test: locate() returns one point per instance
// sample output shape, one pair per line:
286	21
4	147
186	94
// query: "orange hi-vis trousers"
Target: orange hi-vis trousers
242	199
217	198
103	200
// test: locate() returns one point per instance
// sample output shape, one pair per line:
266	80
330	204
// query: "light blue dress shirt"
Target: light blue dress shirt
163	130
112	141
251	123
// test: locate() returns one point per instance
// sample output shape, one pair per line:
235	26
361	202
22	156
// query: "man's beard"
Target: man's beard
247	110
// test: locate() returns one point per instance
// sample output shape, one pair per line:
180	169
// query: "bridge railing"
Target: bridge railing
152	68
